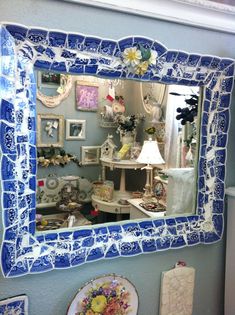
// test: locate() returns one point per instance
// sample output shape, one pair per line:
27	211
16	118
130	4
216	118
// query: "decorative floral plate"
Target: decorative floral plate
152	206
106	295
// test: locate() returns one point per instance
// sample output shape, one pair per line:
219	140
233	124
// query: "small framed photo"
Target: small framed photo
87	96
48	79
75	129
50	130
90	155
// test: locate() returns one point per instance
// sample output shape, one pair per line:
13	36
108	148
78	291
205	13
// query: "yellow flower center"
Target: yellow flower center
99	303
131	55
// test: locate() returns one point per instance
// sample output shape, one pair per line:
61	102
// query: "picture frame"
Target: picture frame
61	92
90	155
47	79
87	96
25	251
50	130
75	129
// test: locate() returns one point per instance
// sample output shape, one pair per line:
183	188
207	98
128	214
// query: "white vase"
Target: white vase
128	138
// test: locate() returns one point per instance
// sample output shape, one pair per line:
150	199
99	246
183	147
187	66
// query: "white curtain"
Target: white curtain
180	190
171	127
173	143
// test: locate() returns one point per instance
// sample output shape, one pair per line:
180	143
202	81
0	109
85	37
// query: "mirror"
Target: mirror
99	188
53	88
26	251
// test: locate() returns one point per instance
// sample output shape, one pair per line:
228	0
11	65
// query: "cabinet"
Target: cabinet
115	206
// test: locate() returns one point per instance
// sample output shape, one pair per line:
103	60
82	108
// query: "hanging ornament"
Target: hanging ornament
189	112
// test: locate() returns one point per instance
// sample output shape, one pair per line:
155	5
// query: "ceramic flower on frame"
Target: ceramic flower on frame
107	298
138	59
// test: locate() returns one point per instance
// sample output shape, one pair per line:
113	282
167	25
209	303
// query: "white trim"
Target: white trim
201	13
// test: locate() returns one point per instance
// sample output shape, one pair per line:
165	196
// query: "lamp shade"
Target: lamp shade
150	153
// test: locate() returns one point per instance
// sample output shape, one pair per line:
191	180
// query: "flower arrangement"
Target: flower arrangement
108	298
126	124
139	59
55	157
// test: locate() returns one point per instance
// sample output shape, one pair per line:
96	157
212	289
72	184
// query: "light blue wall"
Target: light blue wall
50	293
94	135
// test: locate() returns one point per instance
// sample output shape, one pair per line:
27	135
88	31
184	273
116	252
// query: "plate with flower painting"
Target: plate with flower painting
106	295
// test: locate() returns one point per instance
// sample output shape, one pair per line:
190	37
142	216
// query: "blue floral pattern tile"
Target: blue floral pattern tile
17	305
25	252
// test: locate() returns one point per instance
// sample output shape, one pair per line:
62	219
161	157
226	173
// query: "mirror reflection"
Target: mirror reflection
115	150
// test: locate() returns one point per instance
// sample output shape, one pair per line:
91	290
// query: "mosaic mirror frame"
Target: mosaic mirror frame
23	250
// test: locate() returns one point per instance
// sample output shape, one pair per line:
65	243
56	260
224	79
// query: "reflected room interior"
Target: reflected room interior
113	150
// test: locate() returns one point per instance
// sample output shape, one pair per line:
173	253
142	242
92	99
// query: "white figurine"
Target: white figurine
50	125
156	112
71	220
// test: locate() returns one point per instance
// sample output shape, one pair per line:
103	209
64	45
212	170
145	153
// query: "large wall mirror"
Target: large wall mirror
78	181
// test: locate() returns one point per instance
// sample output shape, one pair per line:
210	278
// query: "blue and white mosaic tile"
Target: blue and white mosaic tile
21	50
17	305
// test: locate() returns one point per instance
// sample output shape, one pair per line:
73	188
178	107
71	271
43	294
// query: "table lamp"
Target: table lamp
149	155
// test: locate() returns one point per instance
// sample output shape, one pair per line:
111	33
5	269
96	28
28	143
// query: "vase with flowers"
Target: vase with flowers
127	128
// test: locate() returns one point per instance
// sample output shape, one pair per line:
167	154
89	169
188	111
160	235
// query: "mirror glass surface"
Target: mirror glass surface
88	146
49	83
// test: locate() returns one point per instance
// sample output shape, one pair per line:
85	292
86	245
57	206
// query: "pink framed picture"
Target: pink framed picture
87	94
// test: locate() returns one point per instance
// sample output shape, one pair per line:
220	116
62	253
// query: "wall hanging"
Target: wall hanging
177	287
75	129
90	155
62	83
105	295
24	48
87	96
50	130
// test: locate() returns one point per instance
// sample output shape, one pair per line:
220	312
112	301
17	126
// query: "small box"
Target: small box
104	190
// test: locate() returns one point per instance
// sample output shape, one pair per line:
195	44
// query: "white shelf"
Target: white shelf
122	164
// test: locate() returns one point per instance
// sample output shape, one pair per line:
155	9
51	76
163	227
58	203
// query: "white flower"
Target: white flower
153	58
132	56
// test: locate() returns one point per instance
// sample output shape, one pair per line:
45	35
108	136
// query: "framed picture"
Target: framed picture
87	96
75	129
50	130
90	155
49	79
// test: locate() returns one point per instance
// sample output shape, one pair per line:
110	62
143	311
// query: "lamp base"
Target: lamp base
147	194
148	187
